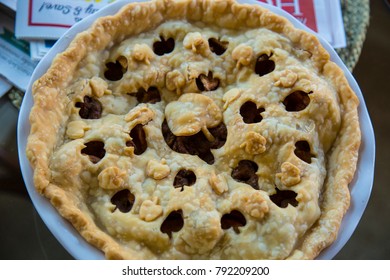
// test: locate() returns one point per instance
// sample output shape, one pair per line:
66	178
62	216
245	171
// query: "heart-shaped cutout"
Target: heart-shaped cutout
234	219
250	113
163	46
123	200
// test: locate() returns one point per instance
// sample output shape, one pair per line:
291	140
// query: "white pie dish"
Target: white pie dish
71	240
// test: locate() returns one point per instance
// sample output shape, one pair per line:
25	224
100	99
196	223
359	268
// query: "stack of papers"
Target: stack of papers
16	65
39	23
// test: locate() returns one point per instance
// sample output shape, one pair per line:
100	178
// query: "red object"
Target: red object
303	10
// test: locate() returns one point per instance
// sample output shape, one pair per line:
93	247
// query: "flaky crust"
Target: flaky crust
50	118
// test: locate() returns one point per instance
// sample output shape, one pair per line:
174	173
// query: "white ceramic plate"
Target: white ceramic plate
71	240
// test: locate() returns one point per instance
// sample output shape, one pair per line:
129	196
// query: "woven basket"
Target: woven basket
356	14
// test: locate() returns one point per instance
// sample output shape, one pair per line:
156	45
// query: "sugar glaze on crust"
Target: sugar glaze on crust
184	152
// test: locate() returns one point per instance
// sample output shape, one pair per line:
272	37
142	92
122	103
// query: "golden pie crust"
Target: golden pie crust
280	119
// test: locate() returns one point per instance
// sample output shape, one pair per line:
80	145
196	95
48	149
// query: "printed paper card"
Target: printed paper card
49	19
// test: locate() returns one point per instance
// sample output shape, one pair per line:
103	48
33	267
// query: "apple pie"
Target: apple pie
196	129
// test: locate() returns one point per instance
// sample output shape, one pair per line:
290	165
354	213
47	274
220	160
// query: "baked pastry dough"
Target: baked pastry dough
196	129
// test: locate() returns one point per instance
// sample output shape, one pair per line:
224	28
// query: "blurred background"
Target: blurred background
23	235
370	240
